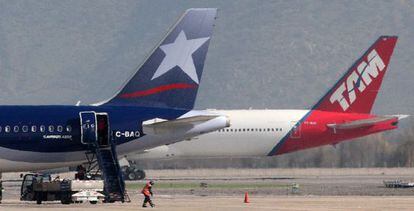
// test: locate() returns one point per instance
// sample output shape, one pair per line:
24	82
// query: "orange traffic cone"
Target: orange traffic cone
246	197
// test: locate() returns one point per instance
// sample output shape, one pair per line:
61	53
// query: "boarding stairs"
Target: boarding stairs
95	133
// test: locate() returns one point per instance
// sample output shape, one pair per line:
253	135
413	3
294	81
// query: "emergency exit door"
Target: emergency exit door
88	127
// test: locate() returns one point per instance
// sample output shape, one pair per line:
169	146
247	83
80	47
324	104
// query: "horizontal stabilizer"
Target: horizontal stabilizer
164	127
401	116
363	123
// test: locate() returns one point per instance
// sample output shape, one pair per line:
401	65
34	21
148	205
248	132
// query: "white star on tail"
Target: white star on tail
179	53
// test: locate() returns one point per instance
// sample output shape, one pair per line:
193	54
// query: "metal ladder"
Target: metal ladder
105	157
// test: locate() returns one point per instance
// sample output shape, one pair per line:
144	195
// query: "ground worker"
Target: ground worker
81	172
147	191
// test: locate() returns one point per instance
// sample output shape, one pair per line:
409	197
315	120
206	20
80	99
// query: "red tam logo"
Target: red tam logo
359	78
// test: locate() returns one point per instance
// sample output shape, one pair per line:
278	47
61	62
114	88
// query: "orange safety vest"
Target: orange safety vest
146	189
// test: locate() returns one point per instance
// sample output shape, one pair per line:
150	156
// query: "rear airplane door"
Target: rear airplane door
89	134
296	130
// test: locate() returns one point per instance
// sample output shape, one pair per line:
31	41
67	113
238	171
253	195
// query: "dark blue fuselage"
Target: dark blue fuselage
21	125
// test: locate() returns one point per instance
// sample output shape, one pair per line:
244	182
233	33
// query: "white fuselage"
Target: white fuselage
252	133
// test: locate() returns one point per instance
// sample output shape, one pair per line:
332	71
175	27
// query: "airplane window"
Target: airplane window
276	129
42	128
280	129
239	130
268	129
273	129
68	128
51	128
25	128
34	128
16	129
59	128
244	130
7	129
260	130
0	128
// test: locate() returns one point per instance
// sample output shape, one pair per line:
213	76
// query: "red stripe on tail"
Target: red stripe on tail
158	89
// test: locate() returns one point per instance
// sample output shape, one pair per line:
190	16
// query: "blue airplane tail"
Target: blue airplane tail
170	76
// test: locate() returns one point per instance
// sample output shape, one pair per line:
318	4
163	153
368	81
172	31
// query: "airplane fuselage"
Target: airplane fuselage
268	132
39	137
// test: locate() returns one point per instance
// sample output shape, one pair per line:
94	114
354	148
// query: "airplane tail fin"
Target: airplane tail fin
356	91
171	74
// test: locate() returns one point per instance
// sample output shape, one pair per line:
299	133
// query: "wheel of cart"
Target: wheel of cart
66	198
38	197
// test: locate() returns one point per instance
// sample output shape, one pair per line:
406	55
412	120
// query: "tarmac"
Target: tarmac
268	189
184	203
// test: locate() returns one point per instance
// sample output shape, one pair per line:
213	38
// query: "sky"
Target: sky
263	54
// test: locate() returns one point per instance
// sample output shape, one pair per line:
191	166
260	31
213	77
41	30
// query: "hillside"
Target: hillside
264	54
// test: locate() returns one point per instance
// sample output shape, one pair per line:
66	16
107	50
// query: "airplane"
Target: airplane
343	113
163	88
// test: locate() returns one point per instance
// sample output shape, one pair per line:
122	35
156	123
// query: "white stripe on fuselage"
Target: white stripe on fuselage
231	143
17	160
